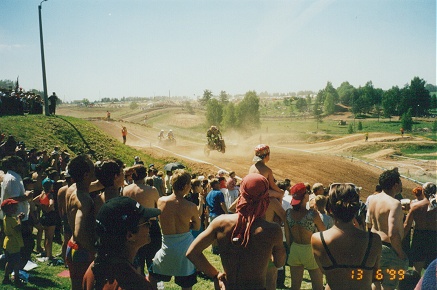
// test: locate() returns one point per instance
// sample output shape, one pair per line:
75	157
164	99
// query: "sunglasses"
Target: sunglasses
147	224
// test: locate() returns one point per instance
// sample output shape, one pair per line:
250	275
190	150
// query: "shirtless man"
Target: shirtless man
423	246
262	156
385	217
81	218
62	210
246	241
148	197
178	217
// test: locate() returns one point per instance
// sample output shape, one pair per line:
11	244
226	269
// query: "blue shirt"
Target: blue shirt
213	200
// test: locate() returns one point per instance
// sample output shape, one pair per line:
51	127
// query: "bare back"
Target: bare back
144	194
424	219
383	207
348	247
178	215
246	268
261	168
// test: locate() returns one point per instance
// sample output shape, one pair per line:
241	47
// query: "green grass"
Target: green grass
72	134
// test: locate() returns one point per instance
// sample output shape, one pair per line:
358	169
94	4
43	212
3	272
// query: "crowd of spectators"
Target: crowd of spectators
167	218
20	102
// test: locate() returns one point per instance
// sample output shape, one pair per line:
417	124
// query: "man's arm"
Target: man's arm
395	229
195	251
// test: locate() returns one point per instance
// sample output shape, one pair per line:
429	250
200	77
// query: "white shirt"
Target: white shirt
12	186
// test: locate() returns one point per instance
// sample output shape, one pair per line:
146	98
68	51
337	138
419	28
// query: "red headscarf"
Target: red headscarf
253	203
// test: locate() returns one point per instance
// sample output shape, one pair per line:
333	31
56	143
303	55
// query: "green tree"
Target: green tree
433	104
345	92
214	112
434	126
189	107
421	97
317	113
229	119
329	104
350	128
287	101
390	100
308	99
207	96
247	111
133	105
407	120
360	126
301	105
224	97
86	102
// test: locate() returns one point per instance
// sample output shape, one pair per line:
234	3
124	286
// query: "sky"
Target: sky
109	49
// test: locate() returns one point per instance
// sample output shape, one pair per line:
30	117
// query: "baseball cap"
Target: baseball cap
8	202
120	213
47	183
260	152
297	193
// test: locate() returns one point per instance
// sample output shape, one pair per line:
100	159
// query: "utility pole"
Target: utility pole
44	80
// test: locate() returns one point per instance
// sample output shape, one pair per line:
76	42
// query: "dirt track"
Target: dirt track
299	162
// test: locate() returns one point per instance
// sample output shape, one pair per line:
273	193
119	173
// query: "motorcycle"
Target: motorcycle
167	141
219	145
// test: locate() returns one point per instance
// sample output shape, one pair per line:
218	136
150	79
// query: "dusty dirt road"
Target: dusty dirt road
320	162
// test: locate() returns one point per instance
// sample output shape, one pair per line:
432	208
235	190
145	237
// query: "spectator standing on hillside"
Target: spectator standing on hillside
49	215
124	133
13	187
53	100
246	241
62	210
13	240
348	256
423	245
81	217
167	180
385	217
148	197
215	200
178	216
317	189
302	224
262	156
232	189
158	182
320	202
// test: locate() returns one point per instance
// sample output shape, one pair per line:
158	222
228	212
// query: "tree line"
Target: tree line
415	99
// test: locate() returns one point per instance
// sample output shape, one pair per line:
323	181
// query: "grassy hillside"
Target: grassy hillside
72	134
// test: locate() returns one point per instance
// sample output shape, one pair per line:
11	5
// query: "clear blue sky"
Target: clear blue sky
109	48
